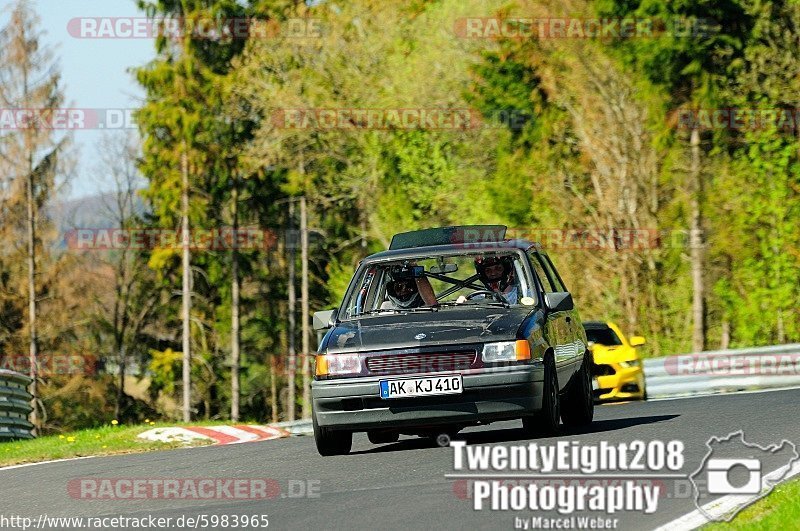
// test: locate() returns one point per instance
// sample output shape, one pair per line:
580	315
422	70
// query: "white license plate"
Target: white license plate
450	384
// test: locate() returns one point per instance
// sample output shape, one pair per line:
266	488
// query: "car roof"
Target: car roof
456	239
457	248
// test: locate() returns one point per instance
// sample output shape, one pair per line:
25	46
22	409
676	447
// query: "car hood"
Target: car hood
605	354
447	326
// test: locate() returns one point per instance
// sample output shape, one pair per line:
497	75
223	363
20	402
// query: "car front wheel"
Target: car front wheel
331	442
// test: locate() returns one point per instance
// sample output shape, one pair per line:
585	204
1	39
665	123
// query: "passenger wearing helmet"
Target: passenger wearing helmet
408	287
403	293
497	274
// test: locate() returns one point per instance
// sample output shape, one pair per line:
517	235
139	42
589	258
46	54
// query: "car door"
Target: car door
574	328
557	325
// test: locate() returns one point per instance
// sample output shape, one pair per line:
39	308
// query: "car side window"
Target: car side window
551	269
553	282
364	298
527	285
540	272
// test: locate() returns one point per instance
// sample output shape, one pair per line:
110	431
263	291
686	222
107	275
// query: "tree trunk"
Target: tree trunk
292	362
696	246
235	311
725	339
273	388
304	309
33	347
121	387
186	287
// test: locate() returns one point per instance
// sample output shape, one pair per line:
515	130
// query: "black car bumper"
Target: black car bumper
489	394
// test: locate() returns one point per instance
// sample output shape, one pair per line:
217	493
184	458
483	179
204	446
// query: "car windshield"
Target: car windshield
602	336
429	283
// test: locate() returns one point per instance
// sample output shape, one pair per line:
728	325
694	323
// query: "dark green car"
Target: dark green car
447	330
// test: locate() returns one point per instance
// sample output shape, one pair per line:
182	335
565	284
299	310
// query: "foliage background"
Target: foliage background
596	144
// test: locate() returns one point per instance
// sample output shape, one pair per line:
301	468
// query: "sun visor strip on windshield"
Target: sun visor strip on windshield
448	235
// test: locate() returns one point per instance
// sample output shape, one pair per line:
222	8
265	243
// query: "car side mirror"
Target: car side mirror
324	319
559	301
637	341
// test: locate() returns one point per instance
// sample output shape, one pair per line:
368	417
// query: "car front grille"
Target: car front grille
602	370
630	388
417	363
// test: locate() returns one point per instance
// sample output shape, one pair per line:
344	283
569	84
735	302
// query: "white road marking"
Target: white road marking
704	395
172	434
11	467
725	504
243	436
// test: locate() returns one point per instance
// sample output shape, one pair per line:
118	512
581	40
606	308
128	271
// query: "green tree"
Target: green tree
695	54
187	143
758	201
30	159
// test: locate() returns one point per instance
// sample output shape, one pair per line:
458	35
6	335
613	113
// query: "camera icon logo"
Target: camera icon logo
719	476
734	473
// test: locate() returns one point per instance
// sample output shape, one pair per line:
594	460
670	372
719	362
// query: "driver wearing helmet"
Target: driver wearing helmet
497	274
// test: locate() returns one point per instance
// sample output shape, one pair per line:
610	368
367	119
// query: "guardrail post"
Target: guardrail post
15	406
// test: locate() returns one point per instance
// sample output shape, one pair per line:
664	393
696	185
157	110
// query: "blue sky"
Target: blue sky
94	73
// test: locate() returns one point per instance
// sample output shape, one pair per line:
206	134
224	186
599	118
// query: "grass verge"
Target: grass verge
779	510
108	440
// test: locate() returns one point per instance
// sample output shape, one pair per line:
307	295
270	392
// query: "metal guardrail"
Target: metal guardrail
723	371
15	406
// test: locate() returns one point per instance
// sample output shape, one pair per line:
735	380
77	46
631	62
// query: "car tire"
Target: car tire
577	408
330	442
546	421
383	437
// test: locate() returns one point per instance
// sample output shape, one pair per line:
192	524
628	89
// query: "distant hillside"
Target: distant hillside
89	212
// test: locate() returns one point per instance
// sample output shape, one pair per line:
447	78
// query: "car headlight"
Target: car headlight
506	351
629	364
338	364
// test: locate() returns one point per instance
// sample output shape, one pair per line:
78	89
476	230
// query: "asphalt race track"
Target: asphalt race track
394	486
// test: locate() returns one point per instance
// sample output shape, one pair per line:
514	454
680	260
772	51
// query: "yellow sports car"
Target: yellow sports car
617	370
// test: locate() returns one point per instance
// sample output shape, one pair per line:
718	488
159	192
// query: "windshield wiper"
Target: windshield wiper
497	303
454	304
398	310
474	304
375	312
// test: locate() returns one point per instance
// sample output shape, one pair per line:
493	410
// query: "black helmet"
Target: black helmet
503	281
403	292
